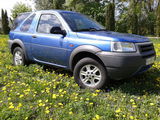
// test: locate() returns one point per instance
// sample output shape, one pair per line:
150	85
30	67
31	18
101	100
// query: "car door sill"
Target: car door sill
48	63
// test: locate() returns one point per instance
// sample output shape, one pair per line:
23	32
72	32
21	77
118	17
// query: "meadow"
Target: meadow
35	93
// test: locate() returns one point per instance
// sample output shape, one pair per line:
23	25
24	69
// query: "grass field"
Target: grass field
34	93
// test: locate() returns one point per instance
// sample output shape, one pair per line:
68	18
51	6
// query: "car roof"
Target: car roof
59	11
47	11
25	13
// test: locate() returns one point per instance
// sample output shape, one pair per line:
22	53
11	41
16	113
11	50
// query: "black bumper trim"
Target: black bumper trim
122	65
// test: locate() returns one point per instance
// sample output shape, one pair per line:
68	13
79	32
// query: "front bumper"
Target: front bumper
124	65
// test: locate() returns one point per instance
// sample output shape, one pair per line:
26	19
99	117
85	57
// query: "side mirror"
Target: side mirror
57	30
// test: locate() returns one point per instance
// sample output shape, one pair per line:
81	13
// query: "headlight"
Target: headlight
122	47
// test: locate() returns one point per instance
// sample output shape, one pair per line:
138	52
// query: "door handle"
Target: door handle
34	36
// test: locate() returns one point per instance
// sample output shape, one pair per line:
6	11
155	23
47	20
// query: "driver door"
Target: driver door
47	47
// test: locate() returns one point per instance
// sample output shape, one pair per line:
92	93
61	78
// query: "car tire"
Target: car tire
90	73
19	57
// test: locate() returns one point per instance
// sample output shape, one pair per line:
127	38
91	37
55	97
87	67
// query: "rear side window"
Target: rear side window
47	21
26	25
19	20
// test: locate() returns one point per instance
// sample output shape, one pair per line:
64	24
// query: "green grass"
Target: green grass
36	93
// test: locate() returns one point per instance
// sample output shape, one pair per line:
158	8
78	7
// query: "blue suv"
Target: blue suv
73	41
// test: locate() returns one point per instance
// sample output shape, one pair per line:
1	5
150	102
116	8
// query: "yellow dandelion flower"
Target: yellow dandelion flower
151	104
87	99
118	110
97	117
61	95
97	91
131	100
41	104
61	90
146	115
134	106
60	104
90	103
94	94
9	98
11	106
28	90
117	115
39	101
4	88
46	100
131	117
70	112
75	97
20	105
54	96
42	91
26	118
64	92
16	109
21	96
10	103
47	111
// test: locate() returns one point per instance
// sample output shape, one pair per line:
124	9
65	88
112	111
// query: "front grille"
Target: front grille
146	49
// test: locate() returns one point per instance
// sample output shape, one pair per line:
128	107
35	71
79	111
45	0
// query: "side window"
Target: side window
19	20
46	22
26	25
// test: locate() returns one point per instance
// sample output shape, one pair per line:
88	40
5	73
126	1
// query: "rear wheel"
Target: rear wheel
89	73
19	57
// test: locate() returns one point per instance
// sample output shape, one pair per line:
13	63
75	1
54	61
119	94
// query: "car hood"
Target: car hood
112	36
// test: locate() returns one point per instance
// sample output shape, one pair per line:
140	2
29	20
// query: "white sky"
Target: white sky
8	4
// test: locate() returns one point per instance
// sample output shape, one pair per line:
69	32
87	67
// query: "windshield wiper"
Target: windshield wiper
87	29
91	29
102	30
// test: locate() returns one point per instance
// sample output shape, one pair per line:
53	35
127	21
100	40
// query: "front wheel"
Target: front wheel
89	73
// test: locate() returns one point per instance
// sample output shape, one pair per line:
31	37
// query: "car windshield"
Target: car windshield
79	22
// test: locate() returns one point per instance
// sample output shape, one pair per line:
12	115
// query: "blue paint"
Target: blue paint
56	50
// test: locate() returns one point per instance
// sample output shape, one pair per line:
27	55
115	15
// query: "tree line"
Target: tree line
7	22
4	22
128	16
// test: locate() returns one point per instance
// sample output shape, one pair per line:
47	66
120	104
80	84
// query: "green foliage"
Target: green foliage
95	8
20	8
49	4
158	21
110	16
5	22
36	93
134	11
121	24
133	16
137	17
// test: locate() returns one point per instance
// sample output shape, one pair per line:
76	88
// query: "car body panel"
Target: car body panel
112	36
59	50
